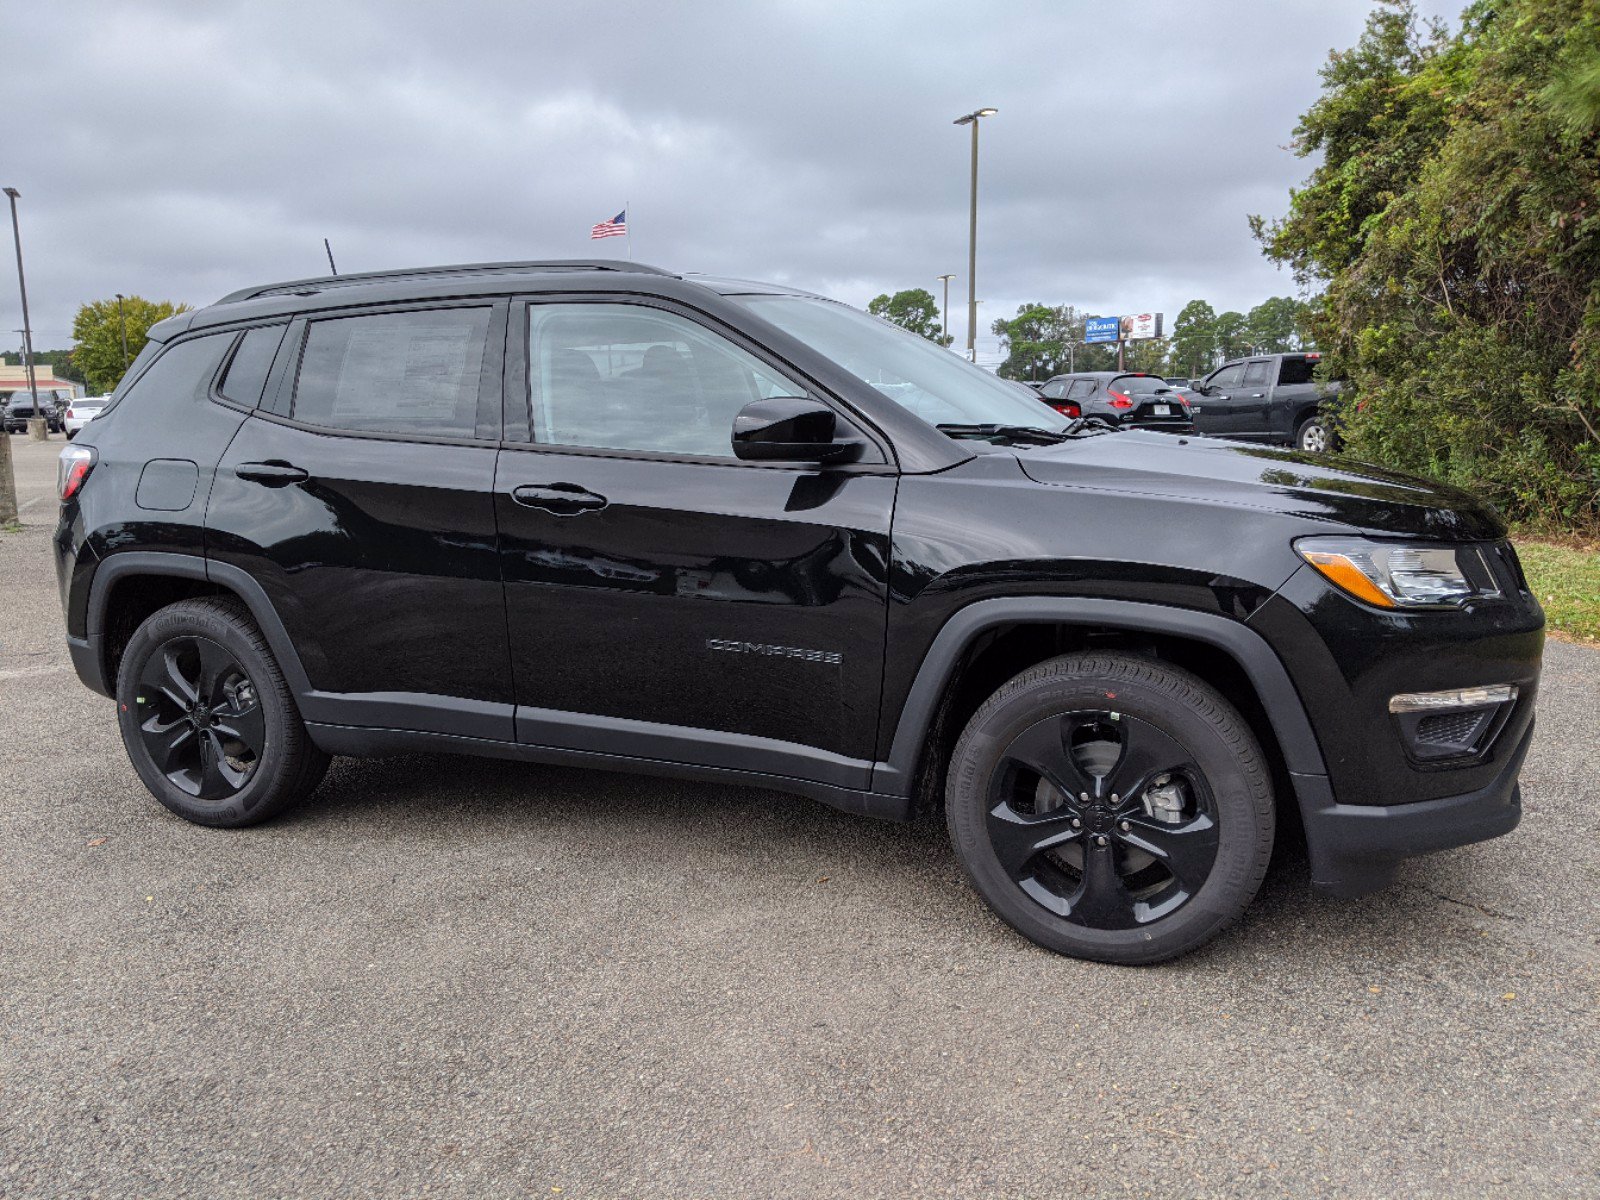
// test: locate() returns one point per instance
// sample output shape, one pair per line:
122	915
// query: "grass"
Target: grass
1565	576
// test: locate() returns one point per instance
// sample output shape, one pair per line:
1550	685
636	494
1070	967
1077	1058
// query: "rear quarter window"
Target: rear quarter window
183	371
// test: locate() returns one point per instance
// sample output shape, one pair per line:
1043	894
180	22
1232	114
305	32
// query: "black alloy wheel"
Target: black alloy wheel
1102	819
200	718
1112	807
208	721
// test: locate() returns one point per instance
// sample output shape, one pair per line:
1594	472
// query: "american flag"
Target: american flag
616	227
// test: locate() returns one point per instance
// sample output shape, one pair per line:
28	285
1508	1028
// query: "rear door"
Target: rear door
359	496
666	600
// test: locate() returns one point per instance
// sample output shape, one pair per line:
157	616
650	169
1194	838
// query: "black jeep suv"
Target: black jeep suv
595	513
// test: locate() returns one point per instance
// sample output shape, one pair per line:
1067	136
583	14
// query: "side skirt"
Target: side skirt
362	742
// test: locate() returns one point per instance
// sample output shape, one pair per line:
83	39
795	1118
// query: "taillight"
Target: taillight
1067	408
1118	400
72	469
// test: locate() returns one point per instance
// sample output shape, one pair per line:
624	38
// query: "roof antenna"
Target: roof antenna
329	249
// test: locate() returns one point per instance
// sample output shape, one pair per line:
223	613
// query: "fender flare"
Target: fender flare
188	566
1266	672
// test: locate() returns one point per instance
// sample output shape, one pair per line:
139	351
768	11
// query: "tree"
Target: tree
1452	217
1273	326
1044	340
1194	338
914	309
1229	339
60	362
97	330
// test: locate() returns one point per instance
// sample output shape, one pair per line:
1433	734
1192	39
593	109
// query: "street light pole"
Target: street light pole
38	427
945	328
122	320
972	118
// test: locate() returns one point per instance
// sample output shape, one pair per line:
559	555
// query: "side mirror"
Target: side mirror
789	429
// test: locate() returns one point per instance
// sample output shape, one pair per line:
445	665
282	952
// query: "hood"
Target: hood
1305	485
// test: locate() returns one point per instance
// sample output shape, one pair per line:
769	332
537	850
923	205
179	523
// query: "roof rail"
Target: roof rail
319	282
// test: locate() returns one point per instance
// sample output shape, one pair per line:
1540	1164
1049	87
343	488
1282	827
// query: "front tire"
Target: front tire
207	719
1111	807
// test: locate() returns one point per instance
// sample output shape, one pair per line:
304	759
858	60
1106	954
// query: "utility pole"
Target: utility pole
39	426
972	118
122	320
944	328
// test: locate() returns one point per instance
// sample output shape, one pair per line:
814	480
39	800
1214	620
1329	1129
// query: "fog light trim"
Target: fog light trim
1474	697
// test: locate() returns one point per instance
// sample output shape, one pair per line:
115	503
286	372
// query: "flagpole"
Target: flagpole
627	218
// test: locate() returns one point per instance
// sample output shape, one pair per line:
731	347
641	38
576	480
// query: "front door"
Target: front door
664	599
360	498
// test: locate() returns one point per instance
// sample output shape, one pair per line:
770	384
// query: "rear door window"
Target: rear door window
1081	389
1257	373
414	372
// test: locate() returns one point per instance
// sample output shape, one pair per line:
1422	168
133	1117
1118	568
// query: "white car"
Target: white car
82	410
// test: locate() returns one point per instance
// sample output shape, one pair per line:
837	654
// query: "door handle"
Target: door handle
1258	395
273	474
562	499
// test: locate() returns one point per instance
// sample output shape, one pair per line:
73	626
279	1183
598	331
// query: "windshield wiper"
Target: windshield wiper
1014	433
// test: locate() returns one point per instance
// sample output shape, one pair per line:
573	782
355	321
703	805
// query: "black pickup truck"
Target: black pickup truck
1270	398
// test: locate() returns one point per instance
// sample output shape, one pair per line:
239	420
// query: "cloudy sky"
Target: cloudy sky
181	150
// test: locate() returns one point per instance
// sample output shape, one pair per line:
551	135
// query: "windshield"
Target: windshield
927	379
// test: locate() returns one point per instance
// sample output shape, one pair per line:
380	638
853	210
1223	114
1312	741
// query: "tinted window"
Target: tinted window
1055	389
1296	370
1256	372
184	371
625	377
247	373
403	372
1081	389
1228	376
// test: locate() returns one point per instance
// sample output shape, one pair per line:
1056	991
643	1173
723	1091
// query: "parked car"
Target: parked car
734	532
1272	398
81	411
1124	399
22	407
1180	381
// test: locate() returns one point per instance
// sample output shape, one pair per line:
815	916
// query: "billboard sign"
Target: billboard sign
1101	329
1141	327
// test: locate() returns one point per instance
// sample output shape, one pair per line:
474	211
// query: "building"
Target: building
14	378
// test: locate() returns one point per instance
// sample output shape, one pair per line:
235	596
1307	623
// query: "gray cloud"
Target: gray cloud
180	150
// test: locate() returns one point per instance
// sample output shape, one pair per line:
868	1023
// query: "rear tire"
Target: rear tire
1314	436
207	719
1139	874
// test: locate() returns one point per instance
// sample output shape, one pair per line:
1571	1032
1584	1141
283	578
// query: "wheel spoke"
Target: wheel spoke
1187	850
1147	752
165	675
216	668
169	743
247	726
1101	900
1017	837
217	778
1045	749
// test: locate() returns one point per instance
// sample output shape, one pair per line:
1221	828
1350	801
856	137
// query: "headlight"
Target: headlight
1392	575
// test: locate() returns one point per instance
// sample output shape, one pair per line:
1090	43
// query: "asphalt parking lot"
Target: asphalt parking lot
449	977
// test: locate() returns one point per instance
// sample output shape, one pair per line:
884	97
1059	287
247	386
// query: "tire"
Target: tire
1314	436
1160	869
199	688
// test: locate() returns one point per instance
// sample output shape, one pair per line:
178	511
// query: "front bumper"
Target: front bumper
1356	848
